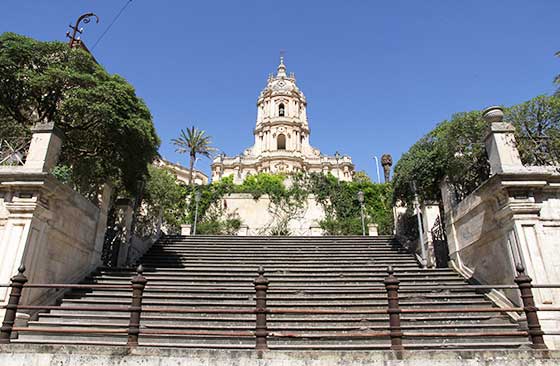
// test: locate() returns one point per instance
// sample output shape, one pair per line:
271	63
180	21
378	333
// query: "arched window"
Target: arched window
281	142
281	110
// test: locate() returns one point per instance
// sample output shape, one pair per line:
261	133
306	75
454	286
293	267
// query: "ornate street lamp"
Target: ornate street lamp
84	18
361	200
337	157
197	196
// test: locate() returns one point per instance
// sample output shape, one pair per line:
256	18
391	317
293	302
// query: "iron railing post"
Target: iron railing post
11	308
138	285
392	286
261	330
523	281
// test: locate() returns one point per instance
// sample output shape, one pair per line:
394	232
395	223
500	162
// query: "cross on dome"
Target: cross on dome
281	67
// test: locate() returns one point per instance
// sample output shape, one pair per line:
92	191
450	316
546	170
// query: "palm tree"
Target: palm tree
194	142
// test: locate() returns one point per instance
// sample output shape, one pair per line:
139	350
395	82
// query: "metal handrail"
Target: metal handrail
394	330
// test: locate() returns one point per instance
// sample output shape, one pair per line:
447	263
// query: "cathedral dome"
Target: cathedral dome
282	84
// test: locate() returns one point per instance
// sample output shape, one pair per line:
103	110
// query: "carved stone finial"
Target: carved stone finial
493	114
21	268
520	269
390	270
140	269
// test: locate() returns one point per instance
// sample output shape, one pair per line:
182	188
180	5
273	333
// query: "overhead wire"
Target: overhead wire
127	2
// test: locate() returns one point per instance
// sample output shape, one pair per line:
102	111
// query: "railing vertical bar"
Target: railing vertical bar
11	308
535	331
261	329
138	285
392	285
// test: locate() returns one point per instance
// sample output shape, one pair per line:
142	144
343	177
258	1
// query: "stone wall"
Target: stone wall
512	218
259	216
46	225
25	355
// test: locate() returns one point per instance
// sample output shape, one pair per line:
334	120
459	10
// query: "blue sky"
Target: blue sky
377	74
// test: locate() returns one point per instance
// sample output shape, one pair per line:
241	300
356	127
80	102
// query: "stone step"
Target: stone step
319	273
123	294
381	303
273	326
286	319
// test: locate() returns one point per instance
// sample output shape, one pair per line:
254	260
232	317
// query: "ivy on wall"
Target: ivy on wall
288	196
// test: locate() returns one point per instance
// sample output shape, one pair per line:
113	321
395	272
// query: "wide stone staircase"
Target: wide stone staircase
306	274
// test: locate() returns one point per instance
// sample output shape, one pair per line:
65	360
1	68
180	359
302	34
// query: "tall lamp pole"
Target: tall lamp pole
377	169
197	196
361	200
420	234
337	157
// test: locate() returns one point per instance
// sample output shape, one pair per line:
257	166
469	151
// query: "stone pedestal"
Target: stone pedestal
45	147
373	230
243	230
186	229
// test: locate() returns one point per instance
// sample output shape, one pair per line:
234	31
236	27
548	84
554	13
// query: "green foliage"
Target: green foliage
455	149
264	183
63	173
109	134
217	222
537	124
163	194
339	200
193	142
342	208
361	176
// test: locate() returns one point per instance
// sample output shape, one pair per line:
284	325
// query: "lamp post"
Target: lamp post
337	157
420	235
84	18
361	200
377	169
197	196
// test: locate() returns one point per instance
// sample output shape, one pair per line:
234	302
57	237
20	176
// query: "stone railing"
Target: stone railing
511	219
46	225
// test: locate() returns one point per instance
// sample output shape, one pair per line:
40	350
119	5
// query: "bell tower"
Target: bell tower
281	115
281	137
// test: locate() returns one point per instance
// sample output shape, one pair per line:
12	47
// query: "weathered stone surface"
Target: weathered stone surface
259	216
31	355
511	218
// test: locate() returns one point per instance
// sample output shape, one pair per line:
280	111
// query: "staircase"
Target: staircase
308	273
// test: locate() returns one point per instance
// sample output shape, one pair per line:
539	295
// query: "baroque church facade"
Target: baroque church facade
281	138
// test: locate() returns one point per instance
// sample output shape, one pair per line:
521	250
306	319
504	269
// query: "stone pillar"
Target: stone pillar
503	155
104	207
186	229
243	230
45	147
316	230
125	211
373	230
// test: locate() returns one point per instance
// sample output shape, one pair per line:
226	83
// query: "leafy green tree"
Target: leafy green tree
194	142
361	176
163	194
537	124
109	134
453	150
